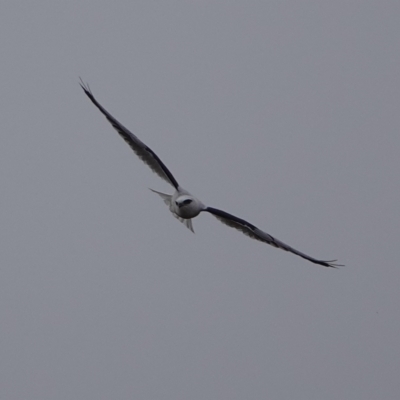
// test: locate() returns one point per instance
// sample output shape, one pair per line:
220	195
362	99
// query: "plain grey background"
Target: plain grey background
285	113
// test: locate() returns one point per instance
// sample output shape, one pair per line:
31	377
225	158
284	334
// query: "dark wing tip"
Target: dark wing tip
84	85
329	263
86	88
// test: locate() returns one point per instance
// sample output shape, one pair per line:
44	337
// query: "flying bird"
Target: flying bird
182	204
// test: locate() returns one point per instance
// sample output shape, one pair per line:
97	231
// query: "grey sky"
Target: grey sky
283	113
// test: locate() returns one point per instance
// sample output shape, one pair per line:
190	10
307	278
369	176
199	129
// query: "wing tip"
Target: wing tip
86	88
330	264
83	85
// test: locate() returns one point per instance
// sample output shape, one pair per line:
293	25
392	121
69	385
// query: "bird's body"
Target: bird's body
181	203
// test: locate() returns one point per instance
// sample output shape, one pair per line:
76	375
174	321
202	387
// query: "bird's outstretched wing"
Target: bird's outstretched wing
142	151
255	233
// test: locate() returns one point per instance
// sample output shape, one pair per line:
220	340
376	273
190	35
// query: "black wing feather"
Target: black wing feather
250	230
144	152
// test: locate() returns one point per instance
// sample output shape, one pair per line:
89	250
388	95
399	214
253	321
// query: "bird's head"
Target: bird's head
183	201
187	206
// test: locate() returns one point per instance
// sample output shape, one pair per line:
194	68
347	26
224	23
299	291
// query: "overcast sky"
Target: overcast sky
285	113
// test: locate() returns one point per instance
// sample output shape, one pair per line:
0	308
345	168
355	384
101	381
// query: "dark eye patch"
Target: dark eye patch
187	201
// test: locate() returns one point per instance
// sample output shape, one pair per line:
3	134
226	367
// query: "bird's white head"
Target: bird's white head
187	206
